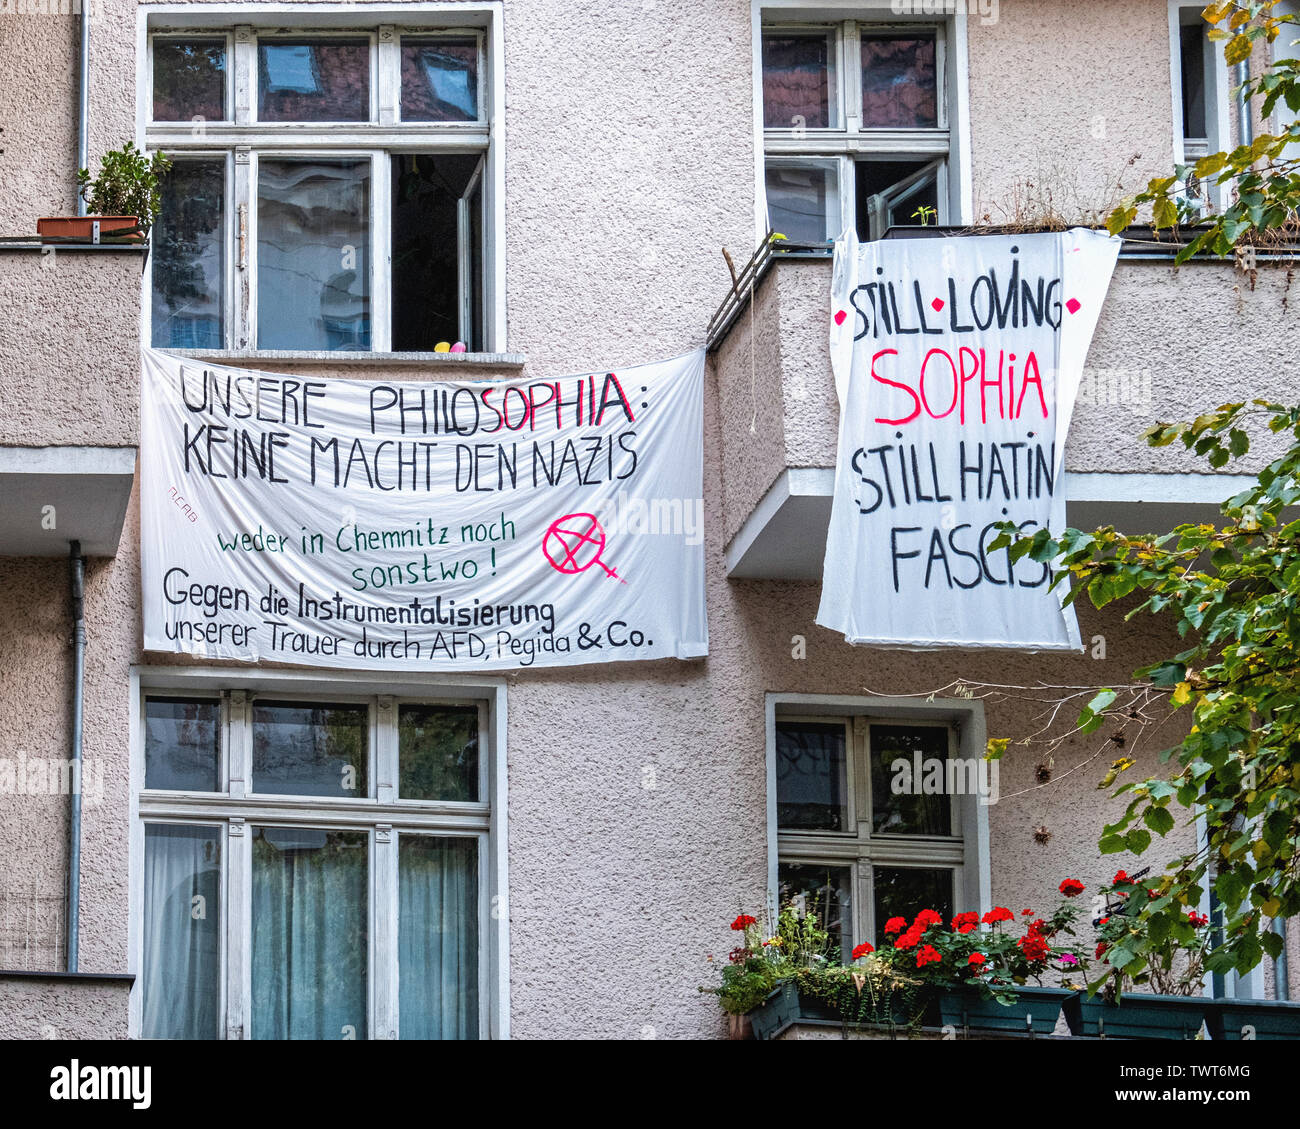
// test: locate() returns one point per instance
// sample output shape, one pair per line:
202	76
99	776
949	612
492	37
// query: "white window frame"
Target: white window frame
950	140
966	853
1218	86
384	816
383	136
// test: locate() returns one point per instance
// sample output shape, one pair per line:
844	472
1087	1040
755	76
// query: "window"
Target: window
1201	99
330	188
312	867
877	817
856	127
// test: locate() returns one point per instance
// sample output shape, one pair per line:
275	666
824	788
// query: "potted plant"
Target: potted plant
123	199
1173	964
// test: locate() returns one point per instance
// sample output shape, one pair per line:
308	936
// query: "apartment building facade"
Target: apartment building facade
552	185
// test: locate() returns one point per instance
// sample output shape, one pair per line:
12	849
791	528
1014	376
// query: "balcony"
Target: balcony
70	426
1171	344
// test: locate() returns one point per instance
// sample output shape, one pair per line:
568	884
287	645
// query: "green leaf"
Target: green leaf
1159	820
1137	841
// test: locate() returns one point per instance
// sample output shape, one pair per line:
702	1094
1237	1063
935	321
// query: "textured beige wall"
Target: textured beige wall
622	185
62	1009
1062	97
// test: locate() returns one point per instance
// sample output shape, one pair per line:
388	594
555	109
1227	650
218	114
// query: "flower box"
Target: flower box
1138	1015
82	227
1035	1010
1253	1019
775	1013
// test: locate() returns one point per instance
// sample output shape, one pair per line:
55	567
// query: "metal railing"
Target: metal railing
33	928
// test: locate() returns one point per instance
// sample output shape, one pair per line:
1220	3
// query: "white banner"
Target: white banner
957	361
441	526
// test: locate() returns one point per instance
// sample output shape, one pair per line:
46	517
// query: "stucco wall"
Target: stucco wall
630	164
62	1009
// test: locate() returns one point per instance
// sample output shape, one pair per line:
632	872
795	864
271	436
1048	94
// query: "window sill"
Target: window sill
451	361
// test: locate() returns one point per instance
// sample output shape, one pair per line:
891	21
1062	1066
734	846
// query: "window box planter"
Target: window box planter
777	1012
82	227
1265	1019
1138	1015
1035	1010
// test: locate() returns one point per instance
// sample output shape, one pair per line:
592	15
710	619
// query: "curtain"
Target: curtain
181	972
309	924
438	937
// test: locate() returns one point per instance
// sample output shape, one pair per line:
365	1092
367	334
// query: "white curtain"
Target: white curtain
310	911
181	974
438	937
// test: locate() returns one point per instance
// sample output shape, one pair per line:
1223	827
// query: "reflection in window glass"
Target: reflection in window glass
304	749
800	201
189	251
909	780
437	751
1192	44
313	254
439	80
811	776
798	80
189	80
898	82
321	80
182	738
906	891
437	939
309	923
825	891
180	971
432	218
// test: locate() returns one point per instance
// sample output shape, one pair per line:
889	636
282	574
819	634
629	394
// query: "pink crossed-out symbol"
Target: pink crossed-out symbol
574	542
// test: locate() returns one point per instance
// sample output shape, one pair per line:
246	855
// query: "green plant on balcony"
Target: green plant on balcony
127	184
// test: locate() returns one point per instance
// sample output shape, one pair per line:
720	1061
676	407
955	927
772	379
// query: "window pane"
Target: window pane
798	80
811	776
826	892
439	80
181	970
906	891
800	199
898	82
909	780
182	740
430	228
313	80
437	937
309	921
313	254
437	750
310	750
189	80
189	253
1192	43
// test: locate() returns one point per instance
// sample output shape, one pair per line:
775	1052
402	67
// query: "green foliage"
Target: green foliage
127	185
1233	592
1264	176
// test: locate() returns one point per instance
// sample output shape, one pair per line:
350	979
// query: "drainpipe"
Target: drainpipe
1245	127
77	576
83	101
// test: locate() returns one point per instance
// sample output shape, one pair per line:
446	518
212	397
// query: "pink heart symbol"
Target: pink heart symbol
937	304
1073	305
839	318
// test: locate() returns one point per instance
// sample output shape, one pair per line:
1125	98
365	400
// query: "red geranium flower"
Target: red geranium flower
925	919
1071	886
895	925
1100	949
862	950
977	959
965	922
1121	879
927	954
996	914
1025	912
1103	921
743	922
908	940
1033	946
1198	919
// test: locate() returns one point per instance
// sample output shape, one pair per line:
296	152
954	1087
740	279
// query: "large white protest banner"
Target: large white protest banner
439	526
957	361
